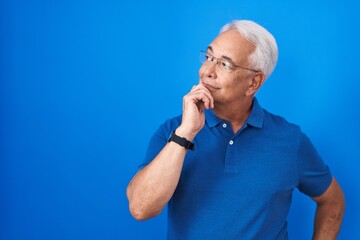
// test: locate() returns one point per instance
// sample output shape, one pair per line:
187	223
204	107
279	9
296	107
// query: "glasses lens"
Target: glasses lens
227	65
202	57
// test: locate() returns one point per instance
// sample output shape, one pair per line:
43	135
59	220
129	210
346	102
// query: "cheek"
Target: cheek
233	87
201	71
229	84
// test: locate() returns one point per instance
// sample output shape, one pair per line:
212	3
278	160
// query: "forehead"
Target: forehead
231	44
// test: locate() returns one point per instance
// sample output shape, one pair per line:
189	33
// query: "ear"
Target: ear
257	81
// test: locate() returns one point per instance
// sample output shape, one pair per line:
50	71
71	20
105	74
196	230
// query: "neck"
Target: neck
236	114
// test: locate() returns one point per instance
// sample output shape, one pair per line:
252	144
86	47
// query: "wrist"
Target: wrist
185	133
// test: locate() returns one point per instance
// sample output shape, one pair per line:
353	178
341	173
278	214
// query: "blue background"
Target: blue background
84	84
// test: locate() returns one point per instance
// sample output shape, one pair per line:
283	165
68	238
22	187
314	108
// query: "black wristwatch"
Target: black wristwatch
181	141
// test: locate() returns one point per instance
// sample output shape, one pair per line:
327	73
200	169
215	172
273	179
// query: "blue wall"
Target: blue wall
83	85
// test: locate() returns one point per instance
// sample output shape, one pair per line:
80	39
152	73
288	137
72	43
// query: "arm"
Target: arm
153	186
329	212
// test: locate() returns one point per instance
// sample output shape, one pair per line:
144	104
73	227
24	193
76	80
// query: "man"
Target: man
237	179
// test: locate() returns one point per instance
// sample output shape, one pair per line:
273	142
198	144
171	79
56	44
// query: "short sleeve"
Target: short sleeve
159	140
314	175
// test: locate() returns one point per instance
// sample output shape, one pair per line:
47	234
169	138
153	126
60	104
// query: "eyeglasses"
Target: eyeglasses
222	63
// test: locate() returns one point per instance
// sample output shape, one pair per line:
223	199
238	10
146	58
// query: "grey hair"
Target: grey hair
265	56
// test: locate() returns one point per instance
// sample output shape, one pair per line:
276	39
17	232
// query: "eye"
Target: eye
208	57
226	65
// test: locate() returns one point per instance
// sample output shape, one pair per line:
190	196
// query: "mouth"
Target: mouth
209	87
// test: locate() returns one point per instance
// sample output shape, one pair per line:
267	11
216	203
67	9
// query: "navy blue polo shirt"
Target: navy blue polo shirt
239	186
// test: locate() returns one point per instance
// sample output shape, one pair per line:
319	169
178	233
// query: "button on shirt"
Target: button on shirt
239	185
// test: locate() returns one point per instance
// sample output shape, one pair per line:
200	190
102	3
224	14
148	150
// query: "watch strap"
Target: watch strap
181	141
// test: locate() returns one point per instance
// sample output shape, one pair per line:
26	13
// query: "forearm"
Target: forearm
152	187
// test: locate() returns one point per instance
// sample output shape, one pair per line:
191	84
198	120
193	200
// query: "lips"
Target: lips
210	87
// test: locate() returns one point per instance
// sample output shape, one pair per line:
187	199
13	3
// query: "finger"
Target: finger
202	86
207	104
202	97
202	104
201	89
208	94
194	88
199	86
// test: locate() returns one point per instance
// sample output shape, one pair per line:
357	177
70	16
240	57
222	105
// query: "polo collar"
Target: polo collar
255	118
211	119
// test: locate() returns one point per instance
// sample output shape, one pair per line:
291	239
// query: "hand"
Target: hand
193	117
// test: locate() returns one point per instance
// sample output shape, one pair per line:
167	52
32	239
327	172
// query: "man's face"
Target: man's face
228	86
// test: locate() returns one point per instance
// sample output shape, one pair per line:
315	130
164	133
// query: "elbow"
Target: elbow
140	213
138	209
137	213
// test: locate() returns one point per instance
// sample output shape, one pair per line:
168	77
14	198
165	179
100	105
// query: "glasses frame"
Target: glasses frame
220	60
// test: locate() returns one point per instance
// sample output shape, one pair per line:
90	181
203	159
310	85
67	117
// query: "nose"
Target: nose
208	69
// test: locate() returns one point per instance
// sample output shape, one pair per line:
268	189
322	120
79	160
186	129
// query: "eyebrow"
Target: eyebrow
223	57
